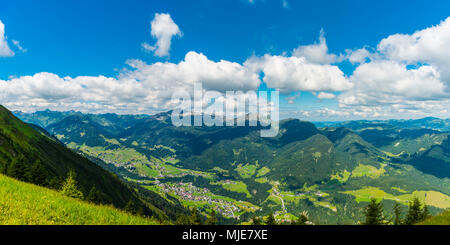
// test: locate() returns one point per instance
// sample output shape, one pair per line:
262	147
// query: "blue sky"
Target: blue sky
97	38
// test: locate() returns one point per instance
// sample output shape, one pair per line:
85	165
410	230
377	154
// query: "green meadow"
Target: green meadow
26	204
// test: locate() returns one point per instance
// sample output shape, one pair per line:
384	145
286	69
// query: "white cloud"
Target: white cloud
143	88
359	56
284	3
427	46
196	67
406	76
17	44
324	95
163	29
5	51
390	79
383	87
318	52
148	47
291	99
296	73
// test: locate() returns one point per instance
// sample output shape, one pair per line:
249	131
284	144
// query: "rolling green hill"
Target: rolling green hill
26	204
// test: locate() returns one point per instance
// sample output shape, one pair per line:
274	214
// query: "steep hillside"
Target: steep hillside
435	160
26	204
20	143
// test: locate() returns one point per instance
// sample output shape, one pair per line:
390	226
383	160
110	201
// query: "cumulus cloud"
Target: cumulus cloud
141	88
163	28
427	46
5	51
360	56
196	67
297	73
407	75
318	52
388	81
404	76
387	86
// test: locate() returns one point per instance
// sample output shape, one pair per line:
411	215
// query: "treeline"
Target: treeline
35	172
196	219
270	220
374	215
416	213
38	175
19	169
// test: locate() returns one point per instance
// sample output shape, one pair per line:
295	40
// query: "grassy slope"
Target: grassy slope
18	138
26	204
441	219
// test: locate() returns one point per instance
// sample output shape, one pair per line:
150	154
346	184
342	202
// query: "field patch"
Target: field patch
368	171
236	186
246	171
262	171
431	198
341	176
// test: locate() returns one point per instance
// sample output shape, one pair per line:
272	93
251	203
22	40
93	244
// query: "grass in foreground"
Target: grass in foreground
26	204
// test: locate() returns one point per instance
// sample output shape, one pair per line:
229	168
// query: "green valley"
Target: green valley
331	173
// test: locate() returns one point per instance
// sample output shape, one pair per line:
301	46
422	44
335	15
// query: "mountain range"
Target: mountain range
329	170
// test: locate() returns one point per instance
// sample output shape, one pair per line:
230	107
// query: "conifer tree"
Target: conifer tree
374	213
183	219
397	214
140	211
18	169
4	167
130	207
425	213
195	217
414	214
302	219
256	221
271	220
56	183
212	220
38	173
94	195
69	187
